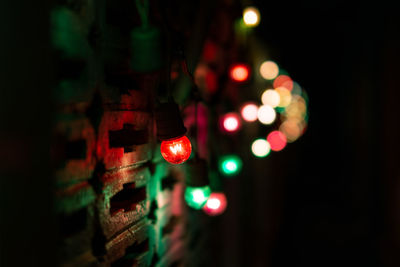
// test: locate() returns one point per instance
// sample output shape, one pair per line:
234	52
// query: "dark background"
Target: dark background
329	199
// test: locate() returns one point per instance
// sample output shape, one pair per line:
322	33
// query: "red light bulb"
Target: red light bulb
176	151
216	204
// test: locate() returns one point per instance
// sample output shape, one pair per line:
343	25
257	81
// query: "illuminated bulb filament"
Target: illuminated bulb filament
176	151
176	148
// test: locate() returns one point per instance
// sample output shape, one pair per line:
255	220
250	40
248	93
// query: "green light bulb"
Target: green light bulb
196	197
230	165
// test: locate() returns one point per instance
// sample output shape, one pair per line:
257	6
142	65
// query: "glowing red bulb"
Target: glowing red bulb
216	204
239	73
231	122
277	140
176	151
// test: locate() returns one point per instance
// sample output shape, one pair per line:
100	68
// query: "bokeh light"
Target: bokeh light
269	70
230	165
239	72
285	96
305	96
196	197
260	148
266	114
277	140
251	16
231	122
210	51
297	108
270	97
216	204
283	81
249	112
206	78
292	129
296	89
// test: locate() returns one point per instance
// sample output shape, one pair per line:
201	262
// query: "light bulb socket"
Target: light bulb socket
146	49
169	121
215	181
197	173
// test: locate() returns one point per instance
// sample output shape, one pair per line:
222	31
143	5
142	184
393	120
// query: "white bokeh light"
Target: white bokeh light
266	114
260	148
270	97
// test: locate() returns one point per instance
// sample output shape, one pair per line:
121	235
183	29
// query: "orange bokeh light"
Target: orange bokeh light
285	96
292	129
239	73
269	70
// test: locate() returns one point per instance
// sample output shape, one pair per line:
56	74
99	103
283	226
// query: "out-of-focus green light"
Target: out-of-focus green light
196	197
230	165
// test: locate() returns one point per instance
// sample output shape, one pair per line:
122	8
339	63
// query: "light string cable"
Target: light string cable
143	10
196	96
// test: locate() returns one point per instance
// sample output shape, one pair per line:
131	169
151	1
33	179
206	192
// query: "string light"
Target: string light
196	197
291	129
197	189
277	140
251	16
260	148
216	204
269	70
176	151
239	72
249	112
266	114
230	165
145	43
285	96
271	97
175	146
283	81
231	122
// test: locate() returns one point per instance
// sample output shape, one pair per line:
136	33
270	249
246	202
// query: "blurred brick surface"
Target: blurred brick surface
113	189
74	149
128	98
116	157
138	241
117	212
74	197
75	209
85	259
173	256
